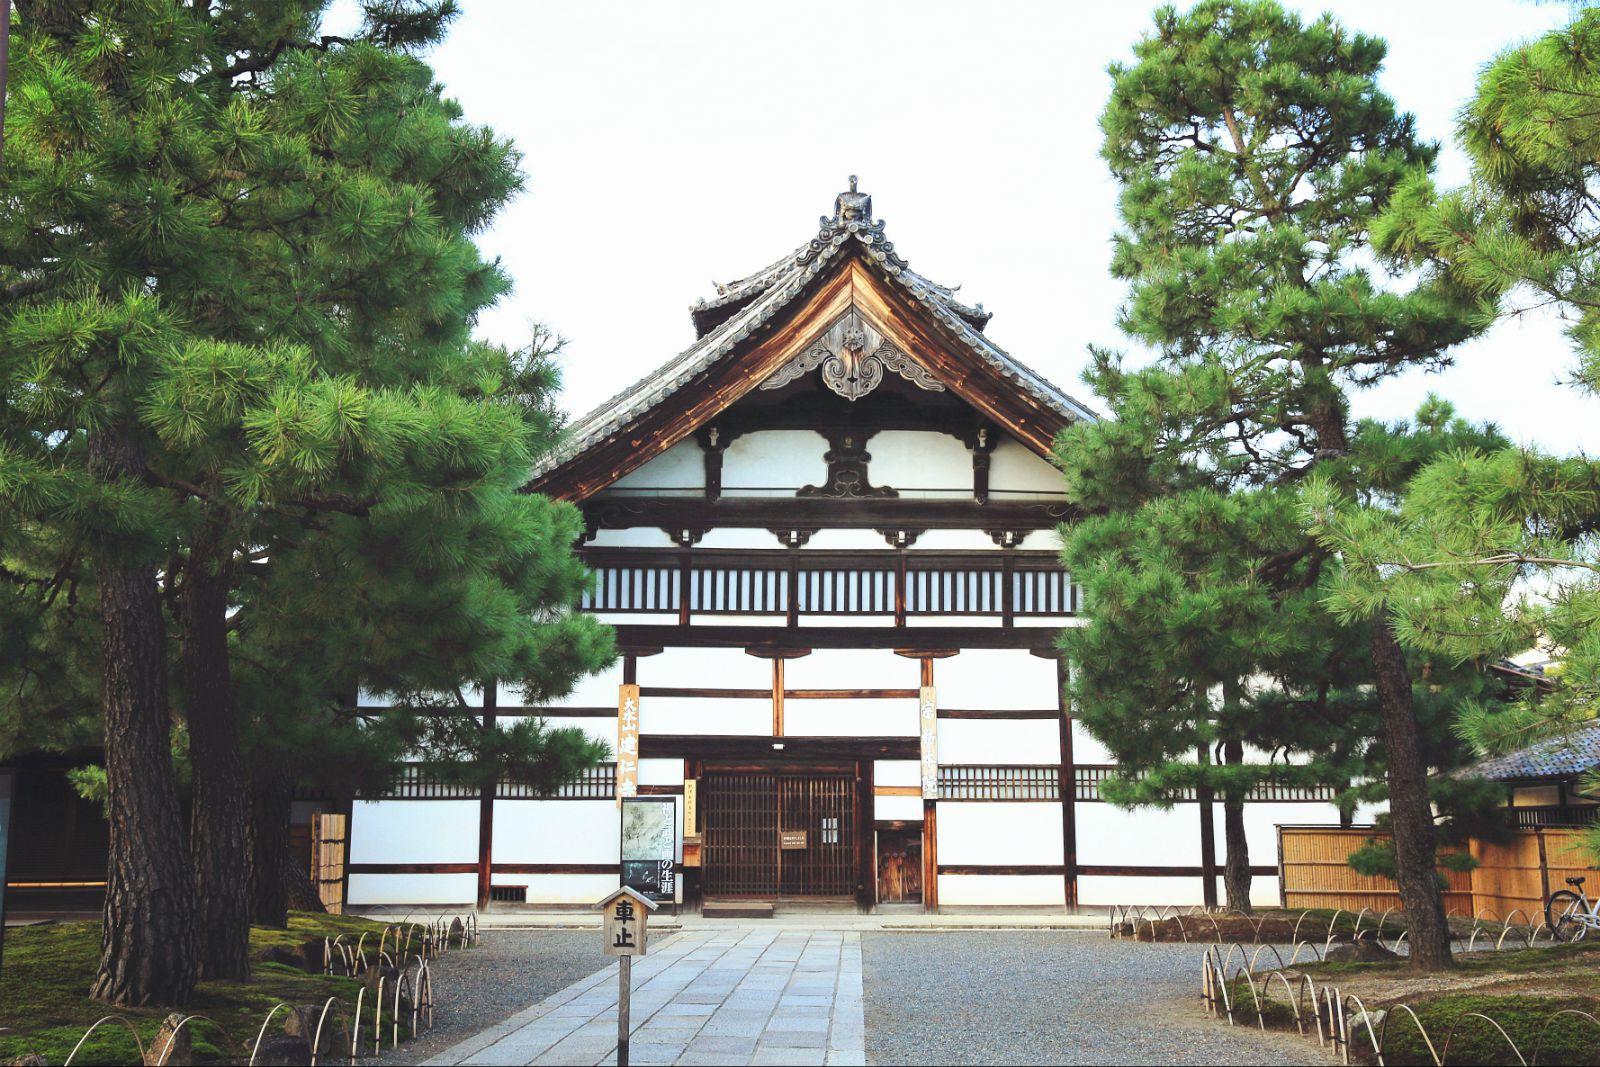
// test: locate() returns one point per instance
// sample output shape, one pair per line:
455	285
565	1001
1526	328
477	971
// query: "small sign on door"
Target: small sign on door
791	840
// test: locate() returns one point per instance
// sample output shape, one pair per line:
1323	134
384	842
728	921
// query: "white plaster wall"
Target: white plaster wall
701	668
850	718
975	832
373	889
847	540
999	741
908	808
565	889
1041	541
414	831
556	831
1017	473
1085	749
896	772
1001	890
698	715
598	690
1112	836
737	537
679	471
955	541
758	463
633	537
598	729
1099	891
996	679
852	669
661	771
921	464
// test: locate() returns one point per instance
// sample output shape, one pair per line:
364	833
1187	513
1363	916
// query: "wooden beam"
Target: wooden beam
898	790
836	637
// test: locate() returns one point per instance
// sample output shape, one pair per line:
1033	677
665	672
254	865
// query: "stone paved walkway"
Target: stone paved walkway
700	997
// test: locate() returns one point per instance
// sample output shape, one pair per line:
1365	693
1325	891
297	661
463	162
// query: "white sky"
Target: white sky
671	143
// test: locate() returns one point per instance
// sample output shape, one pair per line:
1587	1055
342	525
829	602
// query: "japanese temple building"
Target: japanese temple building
826	536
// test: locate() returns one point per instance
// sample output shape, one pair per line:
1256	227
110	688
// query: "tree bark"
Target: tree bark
270	856
219	819
1410	811
148	945
1236	864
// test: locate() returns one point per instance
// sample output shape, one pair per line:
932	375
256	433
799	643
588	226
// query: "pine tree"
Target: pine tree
235	356
1492	550
1253	151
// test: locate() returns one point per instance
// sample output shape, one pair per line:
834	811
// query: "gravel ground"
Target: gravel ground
1048	996
505	973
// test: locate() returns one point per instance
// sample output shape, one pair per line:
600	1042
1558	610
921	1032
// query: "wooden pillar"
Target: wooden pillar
777	696
865	837
1067	783
1208	839
930	824
486	794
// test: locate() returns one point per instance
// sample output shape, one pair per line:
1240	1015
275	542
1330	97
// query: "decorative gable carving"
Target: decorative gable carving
853	357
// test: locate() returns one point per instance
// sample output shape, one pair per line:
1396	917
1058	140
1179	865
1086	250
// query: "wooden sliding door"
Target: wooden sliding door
779	833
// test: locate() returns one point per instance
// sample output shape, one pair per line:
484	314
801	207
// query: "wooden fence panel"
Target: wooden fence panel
1316	872
329	836
1519	873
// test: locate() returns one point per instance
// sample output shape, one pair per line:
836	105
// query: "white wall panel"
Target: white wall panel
374	889
598	690
907	808
633	537
920	464
700	715
701	668
1016	472
1111	836
850	718
999	741
851	669
1041	541
566	889
661	771
1101	891
976	832
955	541
679	471
735	537
773	459
1005	679
414	831
1001	890
1085	749
897	772
556	831
846	540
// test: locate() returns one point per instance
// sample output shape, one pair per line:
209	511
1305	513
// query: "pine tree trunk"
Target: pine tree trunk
1410	812
220	821
1236	865
148	947
270	855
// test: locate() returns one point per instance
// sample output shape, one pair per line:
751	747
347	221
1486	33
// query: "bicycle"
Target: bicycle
1570	914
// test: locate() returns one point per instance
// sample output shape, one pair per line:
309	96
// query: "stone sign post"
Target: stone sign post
625	924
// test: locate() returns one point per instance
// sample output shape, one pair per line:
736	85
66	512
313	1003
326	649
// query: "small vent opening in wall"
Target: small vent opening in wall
509	894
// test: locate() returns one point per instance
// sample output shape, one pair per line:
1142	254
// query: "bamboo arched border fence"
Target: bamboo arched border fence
1482	930
1336	1017
405	988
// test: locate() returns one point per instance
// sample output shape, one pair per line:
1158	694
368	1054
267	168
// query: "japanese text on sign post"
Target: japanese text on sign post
628	743
928	715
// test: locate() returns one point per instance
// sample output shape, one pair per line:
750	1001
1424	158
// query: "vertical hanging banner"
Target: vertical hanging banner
928	715
627	743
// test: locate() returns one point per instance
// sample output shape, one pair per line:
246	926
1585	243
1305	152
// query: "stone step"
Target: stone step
737	909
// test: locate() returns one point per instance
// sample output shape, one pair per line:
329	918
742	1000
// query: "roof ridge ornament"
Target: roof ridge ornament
853	357
852	206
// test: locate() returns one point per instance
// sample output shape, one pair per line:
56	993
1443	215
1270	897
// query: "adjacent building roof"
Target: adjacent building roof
1564	756
742	307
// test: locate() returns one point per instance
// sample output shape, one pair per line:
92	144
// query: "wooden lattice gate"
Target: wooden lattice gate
770	834
329	836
